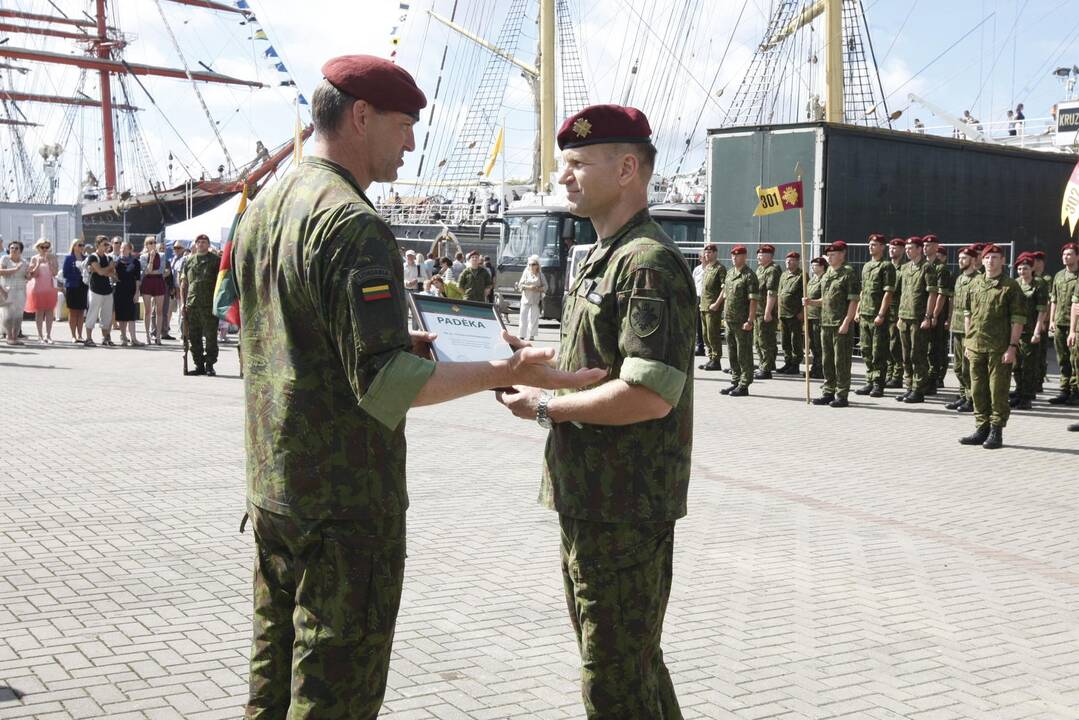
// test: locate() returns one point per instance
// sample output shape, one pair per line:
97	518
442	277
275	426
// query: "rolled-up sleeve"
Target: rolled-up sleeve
356	283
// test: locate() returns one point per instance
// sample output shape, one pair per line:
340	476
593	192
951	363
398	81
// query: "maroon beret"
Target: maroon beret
794	254
970	251
877	237
473	253
915	240
380	82
709	246
738	250
604	124
930	239
1024	259
977	248
990	249
767	249
897	242
1038	254
1074	247
819	261
837	246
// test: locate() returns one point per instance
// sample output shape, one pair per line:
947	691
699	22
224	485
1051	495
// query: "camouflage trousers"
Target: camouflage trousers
713	334
740	352
1068	380
202	334
915	355
989	382
764	334
1027	367
793	333
895	352
962	364
814	342
874	342
938	352
326	595
617	578
837	351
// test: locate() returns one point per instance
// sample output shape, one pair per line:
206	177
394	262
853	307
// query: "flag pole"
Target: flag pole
806	346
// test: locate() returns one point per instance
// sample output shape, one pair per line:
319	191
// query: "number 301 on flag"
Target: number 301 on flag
778	198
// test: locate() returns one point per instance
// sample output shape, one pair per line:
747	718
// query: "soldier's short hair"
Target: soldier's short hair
328	107
644	152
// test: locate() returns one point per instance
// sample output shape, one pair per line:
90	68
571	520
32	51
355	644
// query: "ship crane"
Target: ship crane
971	131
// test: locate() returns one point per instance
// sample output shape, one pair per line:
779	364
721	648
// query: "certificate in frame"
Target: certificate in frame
466	331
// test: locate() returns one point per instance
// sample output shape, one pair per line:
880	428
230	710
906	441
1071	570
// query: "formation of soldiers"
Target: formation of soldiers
909	310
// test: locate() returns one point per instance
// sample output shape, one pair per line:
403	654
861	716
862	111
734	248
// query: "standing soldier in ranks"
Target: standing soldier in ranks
874	303
1064	286
1034	302
197	305
1073	338
740	297
994	321
938	332
712	277
967	274
839	304
917	295
819	266
766	323
631	310
897	256
1047	332
791	289
475	279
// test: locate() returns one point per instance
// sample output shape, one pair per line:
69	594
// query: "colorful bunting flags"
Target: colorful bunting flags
395	38
270	52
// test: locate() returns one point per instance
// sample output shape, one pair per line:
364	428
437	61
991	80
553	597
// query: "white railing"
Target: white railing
1034	133
434	213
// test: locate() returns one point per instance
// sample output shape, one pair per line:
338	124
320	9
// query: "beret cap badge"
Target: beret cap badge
582	128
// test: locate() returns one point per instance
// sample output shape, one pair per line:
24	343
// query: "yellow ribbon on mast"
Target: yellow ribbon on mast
494	153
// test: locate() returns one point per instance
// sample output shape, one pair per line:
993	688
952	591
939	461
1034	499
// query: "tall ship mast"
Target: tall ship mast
129	197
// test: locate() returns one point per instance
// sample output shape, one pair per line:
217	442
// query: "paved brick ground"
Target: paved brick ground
835	563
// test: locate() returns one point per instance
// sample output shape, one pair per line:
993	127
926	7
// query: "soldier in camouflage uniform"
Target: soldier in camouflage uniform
839	305
712	277
792	284
1034	303
938	332
329	377
741	295
1064	285
1047	332
1073	333
967	273
897	257
878	286
197	300
818	266
917	295
994	322
475	281
767	321
616	467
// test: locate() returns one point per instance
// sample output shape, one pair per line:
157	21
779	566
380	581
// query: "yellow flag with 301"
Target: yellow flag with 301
1069	208
494	153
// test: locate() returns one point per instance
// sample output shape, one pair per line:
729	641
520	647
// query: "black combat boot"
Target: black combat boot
762	375
840	402
825	399
967	406
1060	398
816	372
865	389
210	370
995	439
877	391
914	397
200	369
894	384
740	391
977	437
728	390
954	404
1074	427
903	395
711	365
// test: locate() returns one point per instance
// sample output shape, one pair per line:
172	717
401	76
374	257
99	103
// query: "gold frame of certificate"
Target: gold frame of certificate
466	331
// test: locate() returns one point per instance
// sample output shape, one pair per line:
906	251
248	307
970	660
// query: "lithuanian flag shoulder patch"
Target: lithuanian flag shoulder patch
376	292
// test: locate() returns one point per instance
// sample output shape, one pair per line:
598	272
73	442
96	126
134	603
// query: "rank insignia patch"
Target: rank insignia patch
376	292
645	315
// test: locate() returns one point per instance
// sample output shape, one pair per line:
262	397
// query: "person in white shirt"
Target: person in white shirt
415	274
698	279
532	286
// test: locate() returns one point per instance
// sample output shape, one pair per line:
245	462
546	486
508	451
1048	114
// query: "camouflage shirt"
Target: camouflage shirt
327	378
712	283
992	305
768	281
838	287
200	274
1064	286
916	283
878	278
1035	300
739	289
814	291
959	300
474	283
631	310
789	301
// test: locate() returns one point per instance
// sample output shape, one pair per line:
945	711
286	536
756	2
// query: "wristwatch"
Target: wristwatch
542	417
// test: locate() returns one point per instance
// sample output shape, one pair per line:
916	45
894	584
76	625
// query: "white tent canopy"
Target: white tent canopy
215	223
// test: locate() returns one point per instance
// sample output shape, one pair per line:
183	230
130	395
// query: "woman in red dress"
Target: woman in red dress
41	290
153	288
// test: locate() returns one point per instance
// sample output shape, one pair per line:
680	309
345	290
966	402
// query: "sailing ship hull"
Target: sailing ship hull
148	214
